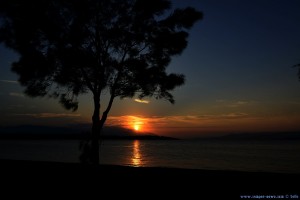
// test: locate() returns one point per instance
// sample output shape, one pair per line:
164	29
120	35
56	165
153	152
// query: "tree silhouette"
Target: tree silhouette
68	48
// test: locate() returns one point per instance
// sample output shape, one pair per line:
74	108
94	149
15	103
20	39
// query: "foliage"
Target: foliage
72	47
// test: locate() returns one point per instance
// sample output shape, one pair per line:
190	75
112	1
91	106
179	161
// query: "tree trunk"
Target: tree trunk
96	128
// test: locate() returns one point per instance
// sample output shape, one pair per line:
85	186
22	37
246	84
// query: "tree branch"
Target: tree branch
111	100
105	113
143	48
86	79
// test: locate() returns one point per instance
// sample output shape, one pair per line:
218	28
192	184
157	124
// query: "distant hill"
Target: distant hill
78	131
261	136
115	132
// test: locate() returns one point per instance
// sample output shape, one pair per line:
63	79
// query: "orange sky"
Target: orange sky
193	126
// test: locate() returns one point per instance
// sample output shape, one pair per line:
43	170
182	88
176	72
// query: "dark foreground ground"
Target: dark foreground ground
62	180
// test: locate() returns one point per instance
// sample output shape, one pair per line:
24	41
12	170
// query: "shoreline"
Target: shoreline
24	164
72	176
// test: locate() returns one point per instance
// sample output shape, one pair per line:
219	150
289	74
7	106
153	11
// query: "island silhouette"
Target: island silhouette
77	131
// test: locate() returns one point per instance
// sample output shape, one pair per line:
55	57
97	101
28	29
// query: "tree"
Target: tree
68	48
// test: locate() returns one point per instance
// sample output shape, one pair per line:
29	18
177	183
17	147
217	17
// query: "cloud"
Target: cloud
234	104
235	115
50	115
191	119
141	101
239	103
124	120
176	120
9	81
220	100
16	94
196	125
242	102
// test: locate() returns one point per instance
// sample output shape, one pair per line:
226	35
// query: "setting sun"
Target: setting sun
136	127
138	124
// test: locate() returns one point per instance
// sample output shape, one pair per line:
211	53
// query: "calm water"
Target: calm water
270	156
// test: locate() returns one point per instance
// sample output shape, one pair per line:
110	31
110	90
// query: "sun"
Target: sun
136	123
136	127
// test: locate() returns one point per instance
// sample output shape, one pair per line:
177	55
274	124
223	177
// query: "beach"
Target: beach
70	179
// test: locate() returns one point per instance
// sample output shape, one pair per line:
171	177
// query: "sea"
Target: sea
238	155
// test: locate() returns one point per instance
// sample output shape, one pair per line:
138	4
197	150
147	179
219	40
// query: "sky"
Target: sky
239	78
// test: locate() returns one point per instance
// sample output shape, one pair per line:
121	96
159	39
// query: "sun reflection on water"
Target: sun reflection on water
136	159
